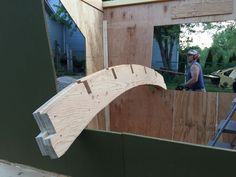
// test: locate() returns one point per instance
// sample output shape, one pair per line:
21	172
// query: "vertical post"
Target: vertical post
105	64
69	59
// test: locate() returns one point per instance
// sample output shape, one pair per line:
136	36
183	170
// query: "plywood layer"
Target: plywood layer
130	39
88	18
64	116
202	8
117	3
177	115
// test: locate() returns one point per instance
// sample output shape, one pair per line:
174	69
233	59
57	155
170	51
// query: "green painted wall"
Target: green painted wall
27	77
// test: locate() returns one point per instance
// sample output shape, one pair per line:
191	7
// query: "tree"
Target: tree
166	36
224	44
220	61
232	58
209	59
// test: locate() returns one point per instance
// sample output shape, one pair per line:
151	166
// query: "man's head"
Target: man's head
192	55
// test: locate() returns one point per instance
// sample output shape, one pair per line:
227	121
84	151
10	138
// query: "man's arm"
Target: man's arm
194	73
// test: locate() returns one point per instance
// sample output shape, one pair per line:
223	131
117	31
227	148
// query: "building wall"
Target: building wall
157	59
76	43
55	33
72	38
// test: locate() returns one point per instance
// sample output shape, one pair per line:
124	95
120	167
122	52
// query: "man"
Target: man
194	74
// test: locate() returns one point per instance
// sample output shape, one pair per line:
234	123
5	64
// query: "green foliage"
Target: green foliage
166	36
62	16
232	58
209	59
224	43
220	61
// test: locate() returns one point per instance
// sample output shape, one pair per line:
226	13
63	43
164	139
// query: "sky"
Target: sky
203	38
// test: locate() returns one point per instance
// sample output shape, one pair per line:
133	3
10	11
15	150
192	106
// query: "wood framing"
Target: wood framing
130	38
117	3
176	115
64	116
88	17
95	3
203	8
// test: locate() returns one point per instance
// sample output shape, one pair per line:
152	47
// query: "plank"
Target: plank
160	13
202	8
97	4
118	3
63	117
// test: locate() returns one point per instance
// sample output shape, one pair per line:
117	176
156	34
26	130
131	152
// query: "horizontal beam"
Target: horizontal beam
64	116
97	4
201	8
117	3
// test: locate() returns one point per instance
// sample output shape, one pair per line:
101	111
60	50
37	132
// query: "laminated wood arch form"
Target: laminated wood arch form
64	116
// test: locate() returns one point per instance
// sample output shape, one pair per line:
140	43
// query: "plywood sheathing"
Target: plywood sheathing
202	8
64	116
130	38
134	112
97	4
176	115
118	3
88	16
130	28
195	116
89	21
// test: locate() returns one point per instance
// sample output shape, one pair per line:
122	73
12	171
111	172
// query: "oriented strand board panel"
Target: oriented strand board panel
202	8
89	21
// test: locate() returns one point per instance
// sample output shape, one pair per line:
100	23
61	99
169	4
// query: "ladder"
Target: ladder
225	126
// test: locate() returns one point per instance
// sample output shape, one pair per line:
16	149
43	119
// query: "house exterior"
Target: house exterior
157	59
67	45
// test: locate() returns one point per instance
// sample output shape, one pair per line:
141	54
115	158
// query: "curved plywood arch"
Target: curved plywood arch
64	116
